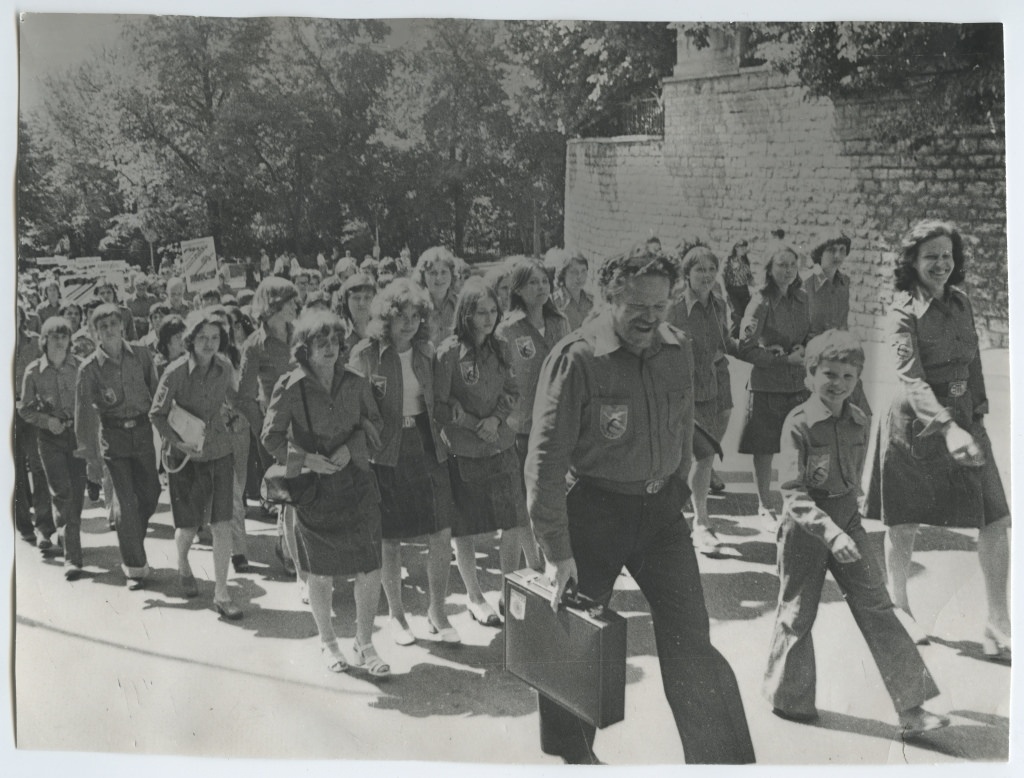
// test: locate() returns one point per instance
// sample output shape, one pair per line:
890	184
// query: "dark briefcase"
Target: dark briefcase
577	656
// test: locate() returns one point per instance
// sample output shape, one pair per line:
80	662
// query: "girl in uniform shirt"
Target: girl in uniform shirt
531	328
416	497
474	392
772	339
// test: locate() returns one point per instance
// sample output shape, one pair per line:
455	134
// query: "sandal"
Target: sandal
367	658
446	635
336	661
482	613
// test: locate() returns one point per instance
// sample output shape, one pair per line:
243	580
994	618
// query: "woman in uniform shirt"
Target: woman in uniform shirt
569	296
828	297
435	272
48	403
338	532
934	461
416	496
200	383
773	335
474	392
531	328
703	315
266	356
352	304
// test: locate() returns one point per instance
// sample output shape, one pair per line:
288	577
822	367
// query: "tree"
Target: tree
941	77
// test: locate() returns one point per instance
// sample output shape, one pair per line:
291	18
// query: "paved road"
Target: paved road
100	668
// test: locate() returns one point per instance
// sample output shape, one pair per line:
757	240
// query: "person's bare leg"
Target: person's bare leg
391	578
439	564
994	557
367	596
899	548
763	479
465	558
183	537
321	589
221	532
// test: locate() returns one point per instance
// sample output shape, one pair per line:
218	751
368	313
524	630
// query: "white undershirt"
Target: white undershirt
412	392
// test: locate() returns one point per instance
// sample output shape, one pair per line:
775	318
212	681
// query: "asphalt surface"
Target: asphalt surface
98	668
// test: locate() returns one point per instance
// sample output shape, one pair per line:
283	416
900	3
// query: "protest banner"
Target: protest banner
78	288
199	264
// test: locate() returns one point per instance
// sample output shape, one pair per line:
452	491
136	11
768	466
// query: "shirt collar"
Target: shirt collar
691	300
606	340
920	302
102	356
816	411
193	364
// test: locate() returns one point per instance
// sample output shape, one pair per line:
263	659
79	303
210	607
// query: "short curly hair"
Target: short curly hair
923	231
617	271
838	239
388	304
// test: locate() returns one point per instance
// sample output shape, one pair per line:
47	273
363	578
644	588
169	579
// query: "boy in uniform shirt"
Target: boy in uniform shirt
116	383
823	445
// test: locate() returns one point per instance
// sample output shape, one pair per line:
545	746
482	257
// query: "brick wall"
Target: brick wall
747	153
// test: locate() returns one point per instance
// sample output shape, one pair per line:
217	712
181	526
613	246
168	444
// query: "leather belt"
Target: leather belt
632	488
124	423
950	388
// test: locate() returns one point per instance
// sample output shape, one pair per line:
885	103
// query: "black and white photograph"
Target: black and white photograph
403	389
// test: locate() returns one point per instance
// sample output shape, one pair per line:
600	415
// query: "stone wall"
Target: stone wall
748	152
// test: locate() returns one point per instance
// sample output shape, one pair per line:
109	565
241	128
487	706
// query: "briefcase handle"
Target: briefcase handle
571	598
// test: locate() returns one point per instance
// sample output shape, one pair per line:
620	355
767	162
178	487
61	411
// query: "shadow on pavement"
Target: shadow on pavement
986	741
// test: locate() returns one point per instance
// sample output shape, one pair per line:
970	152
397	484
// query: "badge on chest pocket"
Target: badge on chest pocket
470	372
526	347
818	466
109	396
614	421
380	385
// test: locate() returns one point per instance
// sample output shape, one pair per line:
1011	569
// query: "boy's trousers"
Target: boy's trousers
790	678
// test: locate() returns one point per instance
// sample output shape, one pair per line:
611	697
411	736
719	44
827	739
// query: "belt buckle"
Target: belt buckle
653	487
408	422
129	424
957	388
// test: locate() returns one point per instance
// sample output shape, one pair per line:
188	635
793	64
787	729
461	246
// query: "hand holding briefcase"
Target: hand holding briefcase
576	657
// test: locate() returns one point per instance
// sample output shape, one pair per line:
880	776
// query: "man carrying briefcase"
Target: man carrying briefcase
614	410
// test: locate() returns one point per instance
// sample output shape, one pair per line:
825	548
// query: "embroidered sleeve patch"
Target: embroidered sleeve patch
903	345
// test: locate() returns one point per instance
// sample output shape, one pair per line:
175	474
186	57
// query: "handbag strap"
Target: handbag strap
309	422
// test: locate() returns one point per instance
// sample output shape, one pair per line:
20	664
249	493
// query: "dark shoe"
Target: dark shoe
93	490
43	542
240	563
135	584
189	587
72	572
717	485
29	537
587	758
228	610
801	718
286	562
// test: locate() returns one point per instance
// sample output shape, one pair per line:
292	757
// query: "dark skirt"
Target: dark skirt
339	533
914	480
488	493
202	491
415	494
766	412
